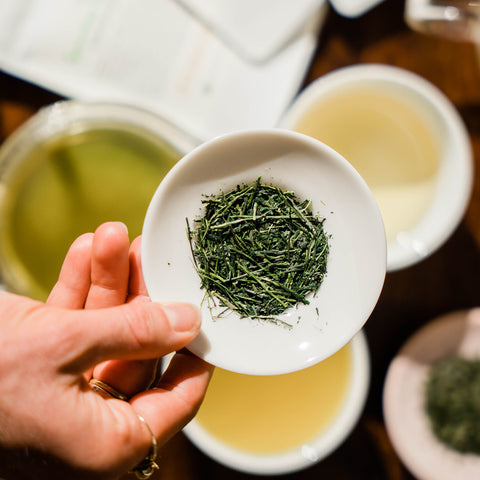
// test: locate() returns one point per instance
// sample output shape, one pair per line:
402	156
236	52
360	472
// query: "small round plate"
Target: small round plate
356	263
403	397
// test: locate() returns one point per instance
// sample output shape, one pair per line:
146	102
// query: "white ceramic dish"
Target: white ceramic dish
403	397
356	263
310	452
454	180
353	8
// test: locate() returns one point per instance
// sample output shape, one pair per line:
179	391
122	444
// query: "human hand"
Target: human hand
97	322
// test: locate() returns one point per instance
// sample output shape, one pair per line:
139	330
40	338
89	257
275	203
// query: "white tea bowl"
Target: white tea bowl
309	451
356	263
377	111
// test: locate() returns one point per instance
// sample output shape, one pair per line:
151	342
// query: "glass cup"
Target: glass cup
69	168
457	20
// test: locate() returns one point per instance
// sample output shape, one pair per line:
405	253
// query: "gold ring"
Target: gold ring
146	468
99	386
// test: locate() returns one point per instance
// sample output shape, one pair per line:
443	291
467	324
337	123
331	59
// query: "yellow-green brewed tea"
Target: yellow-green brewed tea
272	414
387	141
68	186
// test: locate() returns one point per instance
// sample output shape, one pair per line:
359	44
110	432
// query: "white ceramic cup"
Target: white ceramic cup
313	450
453	178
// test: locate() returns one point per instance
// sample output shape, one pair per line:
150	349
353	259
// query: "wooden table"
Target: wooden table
448	280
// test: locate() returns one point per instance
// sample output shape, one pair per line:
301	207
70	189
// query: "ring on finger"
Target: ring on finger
146	468
99	386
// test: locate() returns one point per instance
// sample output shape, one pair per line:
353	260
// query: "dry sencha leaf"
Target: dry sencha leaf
452	402
259	250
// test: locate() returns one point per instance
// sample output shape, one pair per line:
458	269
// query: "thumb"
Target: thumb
130	331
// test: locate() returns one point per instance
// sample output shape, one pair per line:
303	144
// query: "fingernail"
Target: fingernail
182	316
123	225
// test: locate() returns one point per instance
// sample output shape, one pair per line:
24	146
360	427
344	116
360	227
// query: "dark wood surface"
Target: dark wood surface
446	281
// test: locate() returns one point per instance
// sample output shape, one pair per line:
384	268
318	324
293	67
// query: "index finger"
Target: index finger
130	377
136	287
110	266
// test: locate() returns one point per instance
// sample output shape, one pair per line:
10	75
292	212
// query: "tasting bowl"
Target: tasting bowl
32	251
311	451
453	180
455	333
355	267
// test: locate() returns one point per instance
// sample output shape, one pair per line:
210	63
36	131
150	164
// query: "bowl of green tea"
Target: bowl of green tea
274	425
431	398
69	168
406	139
277	239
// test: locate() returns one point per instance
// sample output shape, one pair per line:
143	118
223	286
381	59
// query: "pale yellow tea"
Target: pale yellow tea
69	185
387	142
272	414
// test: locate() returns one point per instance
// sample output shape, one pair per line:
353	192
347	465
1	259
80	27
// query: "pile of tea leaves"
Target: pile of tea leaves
259	250
453	402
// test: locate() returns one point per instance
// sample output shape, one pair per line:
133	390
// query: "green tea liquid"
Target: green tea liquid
68	186
274	414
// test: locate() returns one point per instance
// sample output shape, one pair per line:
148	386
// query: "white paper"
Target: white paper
255	29
153	54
